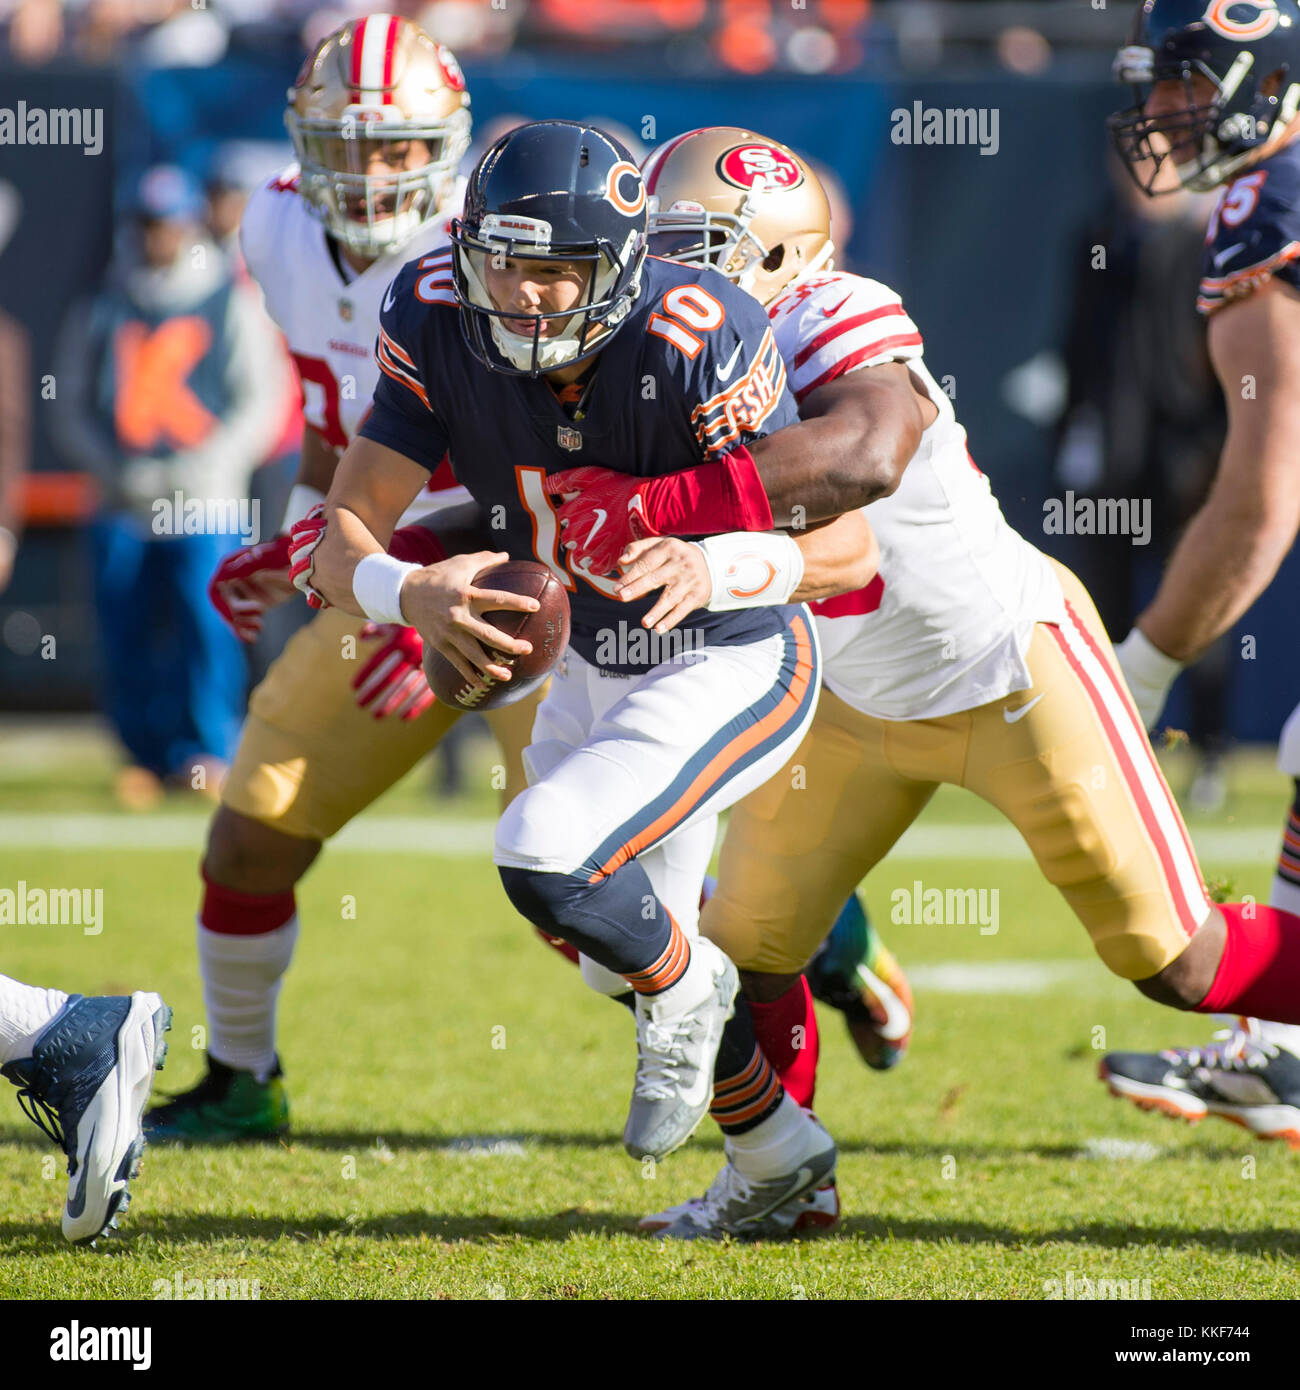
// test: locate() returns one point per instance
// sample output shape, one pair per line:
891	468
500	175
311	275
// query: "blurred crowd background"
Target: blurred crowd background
1069	374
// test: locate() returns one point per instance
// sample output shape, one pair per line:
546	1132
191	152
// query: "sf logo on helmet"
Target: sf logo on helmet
1243	19
745	165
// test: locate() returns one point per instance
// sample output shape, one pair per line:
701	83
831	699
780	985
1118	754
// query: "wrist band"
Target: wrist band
751	569
377	587
302	498
1143	661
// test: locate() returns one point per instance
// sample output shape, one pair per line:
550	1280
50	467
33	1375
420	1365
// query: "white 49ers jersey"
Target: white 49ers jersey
947	621
330	323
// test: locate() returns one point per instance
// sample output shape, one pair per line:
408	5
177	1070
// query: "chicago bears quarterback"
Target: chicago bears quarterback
84	1067
1217	92
545	332
380	120
971	658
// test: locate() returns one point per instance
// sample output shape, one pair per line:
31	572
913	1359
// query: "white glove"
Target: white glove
1149	674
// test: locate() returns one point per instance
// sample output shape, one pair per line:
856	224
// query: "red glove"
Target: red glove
305	536
610	509
392	681
417	545
235	590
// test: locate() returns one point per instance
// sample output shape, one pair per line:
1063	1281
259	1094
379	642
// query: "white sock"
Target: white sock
775	1146
241	982
26	1011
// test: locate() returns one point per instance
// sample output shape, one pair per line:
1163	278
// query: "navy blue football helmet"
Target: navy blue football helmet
1237	45
550	190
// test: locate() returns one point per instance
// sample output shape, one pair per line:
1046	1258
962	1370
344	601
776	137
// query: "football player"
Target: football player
83	1068
379	117
1217	92
971	658
545	332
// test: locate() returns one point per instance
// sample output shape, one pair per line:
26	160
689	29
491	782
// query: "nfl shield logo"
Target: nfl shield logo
568	438
345	310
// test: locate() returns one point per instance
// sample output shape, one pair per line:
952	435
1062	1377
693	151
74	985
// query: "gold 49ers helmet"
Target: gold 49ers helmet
736	200
379	117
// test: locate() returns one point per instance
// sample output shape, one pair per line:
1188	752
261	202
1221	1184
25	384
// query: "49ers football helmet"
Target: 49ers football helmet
741	202
370	88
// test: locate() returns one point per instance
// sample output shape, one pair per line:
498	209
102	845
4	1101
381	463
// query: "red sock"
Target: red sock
786	1030
1259	973
243	914
570	953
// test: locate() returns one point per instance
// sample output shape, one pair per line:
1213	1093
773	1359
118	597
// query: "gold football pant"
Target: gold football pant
310	758
1067	762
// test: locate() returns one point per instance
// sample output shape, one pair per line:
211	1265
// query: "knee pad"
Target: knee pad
543	898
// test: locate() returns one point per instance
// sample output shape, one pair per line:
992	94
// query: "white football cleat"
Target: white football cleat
818	1211
678	1034
752	1208
86	1085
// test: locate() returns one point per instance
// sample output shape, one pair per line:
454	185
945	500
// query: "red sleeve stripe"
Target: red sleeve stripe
839	326
1287	253
391	367
397	350
856	359
410	385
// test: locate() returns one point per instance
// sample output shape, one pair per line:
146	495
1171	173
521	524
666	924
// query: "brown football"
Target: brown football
547	630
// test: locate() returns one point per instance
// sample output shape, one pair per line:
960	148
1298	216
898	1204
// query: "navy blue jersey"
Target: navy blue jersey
1254	231
693	371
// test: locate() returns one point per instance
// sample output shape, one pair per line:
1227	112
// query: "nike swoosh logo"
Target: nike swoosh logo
77	1198
801	1181
1227	253
724	373
389	301
1012	715
830	313
898	1022
600	521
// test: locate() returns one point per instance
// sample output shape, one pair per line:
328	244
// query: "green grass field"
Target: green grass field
428	1162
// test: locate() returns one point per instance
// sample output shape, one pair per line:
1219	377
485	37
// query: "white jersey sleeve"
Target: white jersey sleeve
946	622
270	224
841	323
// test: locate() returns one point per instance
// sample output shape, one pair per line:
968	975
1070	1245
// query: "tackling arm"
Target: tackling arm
855	437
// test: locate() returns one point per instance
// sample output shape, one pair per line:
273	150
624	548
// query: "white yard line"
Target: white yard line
437	835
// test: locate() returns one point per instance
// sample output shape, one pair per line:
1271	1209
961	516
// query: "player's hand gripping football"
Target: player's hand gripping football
392	681
248	581
676	567
443	604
